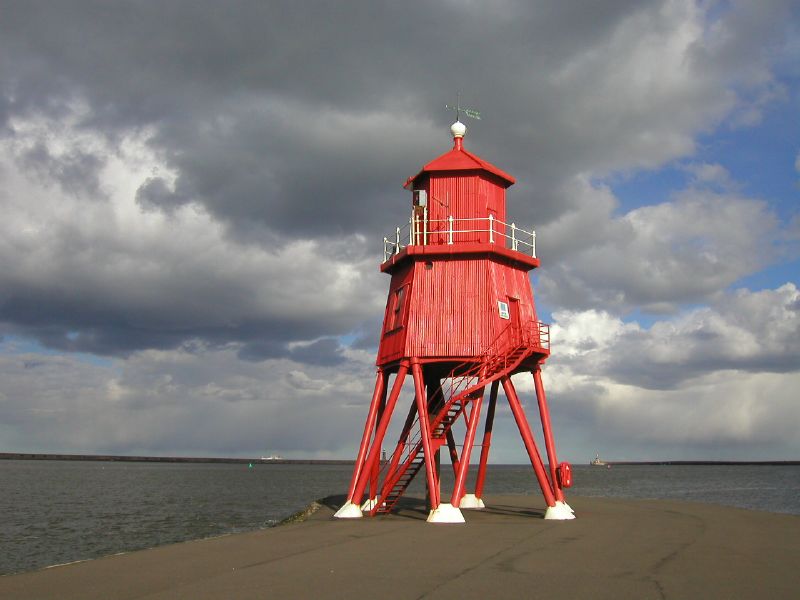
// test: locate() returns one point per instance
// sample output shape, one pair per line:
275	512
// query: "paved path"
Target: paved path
615	549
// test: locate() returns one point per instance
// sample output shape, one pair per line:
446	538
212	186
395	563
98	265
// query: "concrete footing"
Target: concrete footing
560	512
471	501
446	513
348	511
369	504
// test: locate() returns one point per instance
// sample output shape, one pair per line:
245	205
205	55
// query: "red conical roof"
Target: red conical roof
459	159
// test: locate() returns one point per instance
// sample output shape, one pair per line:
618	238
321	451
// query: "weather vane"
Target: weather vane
474	114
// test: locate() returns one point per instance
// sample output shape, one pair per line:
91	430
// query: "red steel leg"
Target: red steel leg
424	425
451	446
373	480
527	438
469	440
548	432
375	450
377	396
487	440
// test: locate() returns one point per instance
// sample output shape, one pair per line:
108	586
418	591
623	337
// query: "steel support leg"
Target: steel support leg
527	438
375	450
378	395
437	464
469	440
550	446
435	400
373	480
425	431
487	440
451	446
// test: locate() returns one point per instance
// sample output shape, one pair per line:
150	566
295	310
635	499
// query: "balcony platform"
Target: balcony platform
461	250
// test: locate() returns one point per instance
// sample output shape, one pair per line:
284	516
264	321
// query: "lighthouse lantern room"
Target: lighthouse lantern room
460	320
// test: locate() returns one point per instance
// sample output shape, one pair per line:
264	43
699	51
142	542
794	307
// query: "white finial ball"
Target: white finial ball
458	129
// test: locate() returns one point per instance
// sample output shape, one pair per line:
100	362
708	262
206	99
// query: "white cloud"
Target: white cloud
742	330
180	402
655	257
726	374
710	174
717	377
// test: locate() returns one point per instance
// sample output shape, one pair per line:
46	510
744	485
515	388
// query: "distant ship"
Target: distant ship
272	457
597	462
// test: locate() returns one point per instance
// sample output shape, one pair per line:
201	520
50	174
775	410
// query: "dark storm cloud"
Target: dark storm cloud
76	172
108	328
271	112
155	193
325	352
299	121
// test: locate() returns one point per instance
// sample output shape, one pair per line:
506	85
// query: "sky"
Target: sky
193	197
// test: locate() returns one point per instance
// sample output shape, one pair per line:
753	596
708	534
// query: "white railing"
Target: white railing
420	231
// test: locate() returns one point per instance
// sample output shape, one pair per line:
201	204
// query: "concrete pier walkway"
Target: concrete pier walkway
614	549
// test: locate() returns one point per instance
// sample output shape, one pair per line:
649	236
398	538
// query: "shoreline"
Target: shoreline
333	461
296	517
712	463
171	459
614	549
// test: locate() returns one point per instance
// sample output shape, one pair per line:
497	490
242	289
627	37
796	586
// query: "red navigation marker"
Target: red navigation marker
461	319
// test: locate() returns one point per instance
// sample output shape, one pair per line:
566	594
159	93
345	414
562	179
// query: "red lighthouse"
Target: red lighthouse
461	320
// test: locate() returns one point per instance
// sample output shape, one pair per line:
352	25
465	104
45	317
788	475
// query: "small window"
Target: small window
399	307
398	299
502	307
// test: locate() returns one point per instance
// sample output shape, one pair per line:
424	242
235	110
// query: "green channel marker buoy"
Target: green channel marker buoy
250	466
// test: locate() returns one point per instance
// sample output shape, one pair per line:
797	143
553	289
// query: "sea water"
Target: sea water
52	512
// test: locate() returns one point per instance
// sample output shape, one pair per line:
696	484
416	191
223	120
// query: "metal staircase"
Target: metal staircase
463	385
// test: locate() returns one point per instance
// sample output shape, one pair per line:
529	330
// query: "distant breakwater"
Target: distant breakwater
170	459
715	463
309	461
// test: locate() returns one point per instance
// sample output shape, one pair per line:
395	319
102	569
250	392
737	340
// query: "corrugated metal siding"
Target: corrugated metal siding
495	196
464	196
449	311
452	307
454	195
515	283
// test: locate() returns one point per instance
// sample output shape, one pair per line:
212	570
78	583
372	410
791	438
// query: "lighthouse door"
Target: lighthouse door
513	313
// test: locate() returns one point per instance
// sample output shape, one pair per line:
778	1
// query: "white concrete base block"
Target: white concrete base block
471	501
446	513
560	512
369	504
348	511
